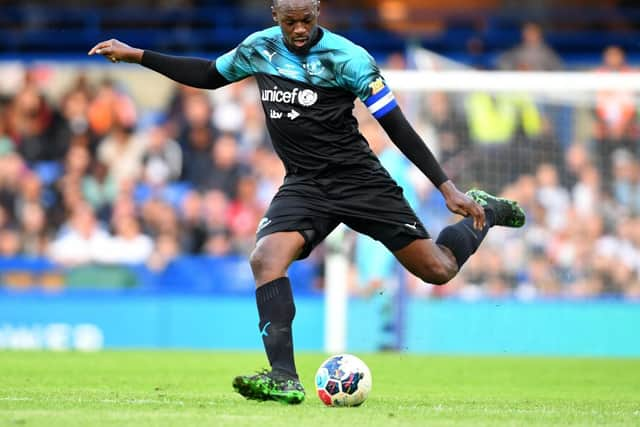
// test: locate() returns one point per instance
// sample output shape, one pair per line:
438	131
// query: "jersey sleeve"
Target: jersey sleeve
236	64
362	76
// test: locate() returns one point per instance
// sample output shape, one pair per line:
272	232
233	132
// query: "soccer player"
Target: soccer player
308	79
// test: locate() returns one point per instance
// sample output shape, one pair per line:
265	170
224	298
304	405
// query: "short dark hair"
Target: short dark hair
275	3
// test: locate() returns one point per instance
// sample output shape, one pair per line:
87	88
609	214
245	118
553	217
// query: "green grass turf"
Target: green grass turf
194	389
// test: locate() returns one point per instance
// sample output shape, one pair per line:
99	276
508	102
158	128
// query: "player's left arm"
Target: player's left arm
371	88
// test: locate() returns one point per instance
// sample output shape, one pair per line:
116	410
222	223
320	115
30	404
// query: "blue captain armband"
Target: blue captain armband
381	101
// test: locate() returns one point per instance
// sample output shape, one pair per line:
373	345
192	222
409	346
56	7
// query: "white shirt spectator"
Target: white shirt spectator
129	245
82	242
122	153
122	250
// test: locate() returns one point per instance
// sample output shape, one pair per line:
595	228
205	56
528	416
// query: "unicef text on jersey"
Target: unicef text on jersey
306	98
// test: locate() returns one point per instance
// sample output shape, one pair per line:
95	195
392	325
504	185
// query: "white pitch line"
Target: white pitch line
83	400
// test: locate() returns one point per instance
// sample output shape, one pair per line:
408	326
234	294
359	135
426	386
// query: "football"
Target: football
343	380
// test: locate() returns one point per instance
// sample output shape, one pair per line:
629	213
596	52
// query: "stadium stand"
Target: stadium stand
92	172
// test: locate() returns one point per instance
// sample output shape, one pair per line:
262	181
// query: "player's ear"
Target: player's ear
274	14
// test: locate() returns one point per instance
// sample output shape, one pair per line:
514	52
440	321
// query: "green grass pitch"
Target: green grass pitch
146	388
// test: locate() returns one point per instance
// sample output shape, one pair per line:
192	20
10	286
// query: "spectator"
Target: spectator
227	169
196	138
447	127
194	233
244	214
12	169
159	218
81	240
554	198
30	123
34	236
110	107
216	206
9	242
219	243
195	113
616	121
29	192
626	181
128	245
165	250
254	136
270	171
162	158
532	54
122	152
72	123
76	165
99	188
228	115
577	157
586	193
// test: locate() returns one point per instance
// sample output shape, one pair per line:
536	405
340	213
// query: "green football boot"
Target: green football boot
268	386
506	212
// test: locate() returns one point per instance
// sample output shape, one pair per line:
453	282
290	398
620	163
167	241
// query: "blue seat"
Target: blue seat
48	171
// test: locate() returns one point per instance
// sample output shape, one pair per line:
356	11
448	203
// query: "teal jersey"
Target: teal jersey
308	99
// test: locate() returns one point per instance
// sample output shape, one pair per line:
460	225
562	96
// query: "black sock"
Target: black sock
277	310
462	239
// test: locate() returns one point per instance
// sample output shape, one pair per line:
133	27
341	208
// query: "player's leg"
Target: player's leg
438	262
426	260
292	227
378	208
270	261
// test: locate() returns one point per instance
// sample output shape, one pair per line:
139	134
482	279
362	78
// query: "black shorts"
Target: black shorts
368	201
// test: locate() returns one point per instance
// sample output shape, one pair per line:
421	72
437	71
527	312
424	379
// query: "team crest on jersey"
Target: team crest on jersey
307	98
376	86
314	68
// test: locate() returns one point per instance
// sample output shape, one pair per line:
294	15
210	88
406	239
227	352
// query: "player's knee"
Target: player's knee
265	264
258	260
439	272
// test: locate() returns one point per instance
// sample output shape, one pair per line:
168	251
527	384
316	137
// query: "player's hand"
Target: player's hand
116	51
461	204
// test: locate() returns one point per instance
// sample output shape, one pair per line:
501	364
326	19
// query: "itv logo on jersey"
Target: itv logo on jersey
305	97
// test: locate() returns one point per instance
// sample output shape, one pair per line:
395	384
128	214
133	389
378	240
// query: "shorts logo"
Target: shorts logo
307	98
376	86
263	223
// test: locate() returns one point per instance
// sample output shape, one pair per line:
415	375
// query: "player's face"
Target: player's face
298	20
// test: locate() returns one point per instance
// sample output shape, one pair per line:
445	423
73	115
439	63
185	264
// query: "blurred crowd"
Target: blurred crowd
575	168
92	178
85	180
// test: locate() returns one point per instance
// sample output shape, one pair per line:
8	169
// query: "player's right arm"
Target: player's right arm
195	72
